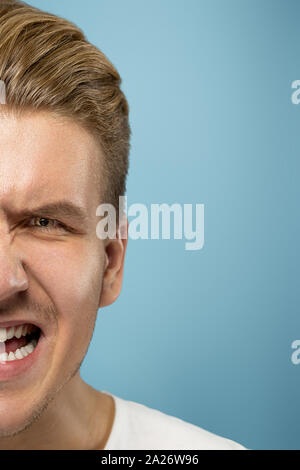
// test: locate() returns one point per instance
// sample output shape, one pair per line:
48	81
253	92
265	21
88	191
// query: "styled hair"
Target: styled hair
47	64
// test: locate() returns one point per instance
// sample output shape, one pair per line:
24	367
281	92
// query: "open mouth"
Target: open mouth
18	342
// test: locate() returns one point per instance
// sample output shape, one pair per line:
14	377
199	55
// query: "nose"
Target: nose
13	278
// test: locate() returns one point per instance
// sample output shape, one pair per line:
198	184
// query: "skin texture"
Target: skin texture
56	277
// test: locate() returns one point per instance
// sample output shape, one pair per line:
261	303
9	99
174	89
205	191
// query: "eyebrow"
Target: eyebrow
60	209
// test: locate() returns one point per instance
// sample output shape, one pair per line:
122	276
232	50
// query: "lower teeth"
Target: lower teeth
19	353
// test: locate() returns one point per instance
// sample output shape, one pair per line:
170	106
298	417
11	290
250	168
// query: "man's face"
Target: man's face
50	275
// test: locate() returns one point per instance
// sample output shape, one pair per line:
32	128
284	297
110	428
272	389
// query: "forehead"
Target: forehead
44	158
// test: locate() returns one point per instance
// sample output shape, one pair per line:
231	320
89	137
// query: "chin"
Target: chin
12	425
15	417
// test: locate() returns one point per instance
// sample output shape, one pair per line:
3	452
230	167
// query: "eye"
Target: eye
46	224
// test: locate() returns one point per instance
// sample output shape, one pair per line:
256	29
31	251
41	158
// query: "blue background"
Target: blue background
206	335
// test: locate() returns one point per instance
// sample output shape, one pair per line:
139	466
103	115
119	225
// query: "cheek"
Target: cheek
69	270
70	275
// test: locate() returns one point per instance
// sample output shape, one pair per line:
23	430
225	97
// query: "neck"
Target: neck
79	417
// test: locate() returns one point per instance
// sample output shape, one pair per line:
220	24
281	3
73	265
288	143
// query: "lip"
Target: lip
13	369
20	322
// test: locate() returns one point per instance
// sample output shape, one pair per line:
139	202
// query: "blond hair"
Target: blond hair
47	64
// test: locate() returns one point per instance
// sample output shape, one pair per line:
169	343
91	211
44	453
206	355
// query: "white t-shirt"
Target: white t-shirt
139	427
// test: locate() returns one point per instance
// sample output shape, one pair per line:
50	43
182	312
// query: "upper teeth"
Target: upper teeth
15	331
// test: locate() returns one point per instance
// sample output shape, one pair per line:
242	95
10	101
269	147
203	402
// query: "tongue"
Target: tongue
11	345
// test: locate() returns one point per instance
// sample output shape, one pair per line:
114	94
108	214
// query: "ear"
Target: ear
114	265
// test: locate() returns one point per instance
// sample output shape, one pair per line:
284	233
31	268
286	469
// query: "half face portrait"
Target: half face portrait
64	113
64	151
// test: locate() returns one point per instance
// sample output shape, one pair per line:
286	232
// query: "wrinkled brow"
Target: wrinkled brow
60	209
